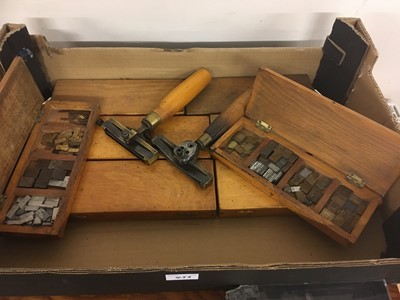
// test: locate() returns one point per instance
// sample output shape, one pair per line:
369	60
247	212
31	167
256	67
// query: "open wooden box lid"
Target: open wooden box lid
20	104
331	132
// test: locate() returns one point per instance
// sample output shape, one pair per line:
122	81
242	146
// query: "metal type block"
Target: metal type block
313	178
302	197
344	191
67	133
269	148
67	165
305	172
282	162
239	149
338	221
55	213
288	189
43	214
31	208
349	205
294	189
58	174
277	177
36	200
62	147
74	143
23	201
32	170
26	182
239	137
295	180
232	145
305	187
251	139
37	221
76	132
314	195
274	167
55	183
286	167
248	147
26	218
269	174
59	140
64	183
293	158
323	182
11	212
287	153
327	214
55	164
258	167
51	202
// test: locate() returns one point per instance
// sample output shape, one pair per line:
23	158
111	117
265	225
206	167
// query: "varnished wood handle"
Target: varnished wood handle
225	120
185	92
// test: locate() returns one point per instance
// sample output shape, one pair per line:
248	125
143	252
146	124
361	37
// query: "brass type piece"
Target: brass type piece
67	141
78	117
344	208
33	210
242	143
273	161
49	173
309	183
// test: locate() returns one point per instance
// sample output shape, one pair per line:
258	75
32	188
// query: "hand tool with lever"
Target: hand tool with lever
137	141
184	155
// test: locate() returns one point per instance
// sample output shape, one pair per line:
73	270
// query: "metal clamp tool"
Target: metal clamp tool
184	156
138	141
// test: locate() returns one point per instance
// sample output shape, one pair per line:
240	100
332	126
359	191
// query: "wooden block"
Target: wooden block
111	189
177	129
117	97
237	197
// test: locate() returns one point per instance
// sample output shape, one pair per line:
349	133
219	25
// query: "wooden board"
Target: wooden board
20	105
239	198
107	156
131	188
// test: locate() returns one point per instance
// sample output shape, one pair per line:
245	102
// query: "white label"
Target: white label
174	277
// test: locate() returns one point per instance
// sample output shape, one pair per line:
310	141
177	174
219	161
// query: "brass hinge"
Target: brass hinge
357	180
263	126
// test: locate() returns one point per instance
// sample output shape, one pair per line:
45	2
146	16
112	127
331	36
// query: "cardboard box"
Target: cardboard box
128	255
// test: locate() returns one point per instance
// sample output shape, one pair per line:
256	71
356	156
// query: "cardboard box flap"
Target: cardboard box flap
338	136
21	102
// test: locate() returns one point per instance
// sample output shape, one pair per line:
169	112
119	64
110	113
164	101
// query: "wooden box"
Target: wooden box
39	184
326	163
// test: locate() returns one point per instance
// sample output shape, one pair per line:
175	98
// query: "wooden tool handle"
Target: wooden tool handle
225	120
180	96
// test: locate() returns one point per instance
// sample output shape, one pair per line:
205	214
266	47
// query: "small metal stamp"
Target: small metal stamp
11	212
258	167
294	189
36	200
243	143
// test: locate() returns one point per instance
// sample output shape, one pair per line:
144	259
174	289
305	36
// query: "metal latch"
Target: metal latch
357	180
263	126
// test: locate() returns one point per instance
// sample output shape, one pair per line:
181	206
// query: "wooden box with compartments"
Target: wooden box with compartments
323	161
43	155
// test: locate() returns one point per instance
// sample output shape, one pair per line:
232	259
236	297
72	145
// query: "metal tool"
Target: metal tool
184	156
138	141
